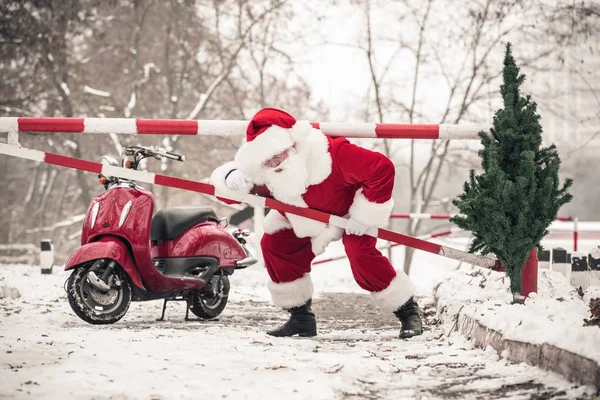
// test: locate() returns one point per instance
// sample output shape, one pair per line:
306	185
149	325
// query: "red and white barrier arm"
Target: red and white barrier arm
447	216
164	180
131	126
423	237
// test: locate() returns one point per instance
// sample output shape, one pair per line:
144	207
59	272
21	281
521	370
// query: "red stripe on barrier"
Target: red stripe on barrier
439	216
71	125
73	163
167	126
184	184
409	241
407	131
305	212
564	219
399	215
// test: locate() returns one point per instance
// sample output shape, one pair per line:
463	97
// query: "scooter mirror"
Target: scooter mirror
223	222
109	160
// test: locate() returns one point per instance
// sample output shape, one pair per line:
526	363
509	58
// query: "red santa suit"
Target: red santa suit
338	178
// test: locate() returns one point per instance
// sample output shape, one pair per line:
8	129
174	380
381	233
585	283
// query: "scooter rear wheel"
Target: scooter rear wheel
211	306
93	305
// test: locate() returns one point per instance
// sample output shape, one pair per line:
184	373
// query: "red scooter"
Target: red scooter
126	254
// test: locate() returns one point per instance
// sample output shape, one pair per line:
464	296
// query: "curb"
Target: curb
574	367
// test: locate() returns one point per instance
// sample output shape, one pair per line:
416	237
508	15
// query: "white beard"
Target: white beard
289	184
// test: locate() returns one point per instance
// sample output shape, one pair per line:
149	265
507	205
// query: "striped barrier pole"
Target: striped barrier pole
132	126
253	200
448	216
422	237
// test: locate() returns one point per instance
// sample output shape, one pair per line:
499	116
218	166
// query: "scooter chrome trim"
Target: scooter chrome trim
246	262
95	209
97	282
125	213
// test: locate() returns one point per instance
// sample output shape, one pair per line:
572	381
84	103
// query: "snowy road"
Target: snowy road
46	352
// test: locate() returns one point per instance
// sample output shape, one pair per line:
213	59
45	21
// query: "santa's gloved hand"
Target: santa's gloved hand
236	180
353	227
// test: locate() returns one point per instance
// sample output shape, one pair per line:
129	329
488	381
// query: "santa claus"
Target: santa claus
299	165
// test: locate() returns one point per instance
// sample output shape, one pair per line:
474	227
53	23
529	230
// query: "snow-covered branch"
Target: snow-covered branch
95	92
67	222
203	98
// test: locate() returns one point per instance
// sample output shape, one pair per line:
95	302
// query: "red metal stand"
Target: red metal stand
529	274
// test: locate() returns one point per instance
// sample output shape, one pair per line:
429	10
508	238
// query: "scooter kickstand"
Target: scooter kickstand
162	316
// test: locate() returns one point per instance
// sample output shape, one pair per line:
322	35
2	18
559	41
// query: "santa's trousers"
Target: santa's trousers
288	258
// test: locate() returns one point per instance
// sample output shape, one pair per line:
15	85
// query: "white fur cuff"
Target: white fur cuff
396	294
291	294
369	213
217	178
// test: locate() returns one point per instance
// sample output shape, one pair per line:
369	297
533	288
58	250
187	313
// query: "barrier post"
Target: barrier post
46	256
575	233
529	274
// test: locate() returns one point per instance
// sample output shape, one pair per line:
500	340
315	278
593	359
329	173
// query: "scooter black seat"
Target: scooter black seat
169	223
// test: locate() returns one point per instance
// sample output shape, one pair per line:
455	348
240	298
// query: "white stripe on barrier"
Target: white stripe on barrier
362	129
420	215
338	221
142	176
255	201
466	131
110	125
467	257
9	124
22	152
222	128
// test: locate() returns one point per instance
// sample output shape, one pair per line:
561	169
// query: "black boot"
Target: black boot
410	319
302	322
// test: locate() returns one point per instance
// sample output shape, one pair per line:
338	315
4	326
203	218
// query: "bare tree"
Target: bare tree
143	59
460	62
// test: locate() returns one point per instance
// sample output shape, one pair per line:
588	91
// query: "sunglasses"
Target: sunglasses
277	159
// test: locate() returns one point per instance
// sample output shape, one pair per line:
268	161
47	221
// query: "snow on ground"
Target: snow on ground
554	315
46	352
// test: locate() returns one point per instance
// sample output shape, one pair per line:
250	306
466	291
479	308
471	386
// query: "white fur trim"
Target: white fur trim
301	130
273	140
275	222
330	234
313	146
304	227
400	289
291	294
217	178
369	213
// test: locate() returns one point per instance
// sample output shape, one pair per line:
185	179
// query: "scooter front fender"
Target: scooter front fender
107	247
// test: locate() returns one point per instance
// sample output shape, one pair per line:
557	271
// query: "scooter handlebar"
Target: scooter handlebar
156	152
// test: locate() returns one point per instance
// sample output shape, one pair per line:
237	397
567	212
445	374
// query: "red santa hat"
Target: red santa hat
270	132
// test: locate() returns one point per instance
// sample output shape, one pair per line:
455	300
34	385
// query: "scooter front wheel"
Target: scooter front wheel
211	305
94	305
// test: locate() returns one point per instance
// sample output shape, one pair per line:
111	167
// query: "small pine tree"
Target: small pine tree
509	207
